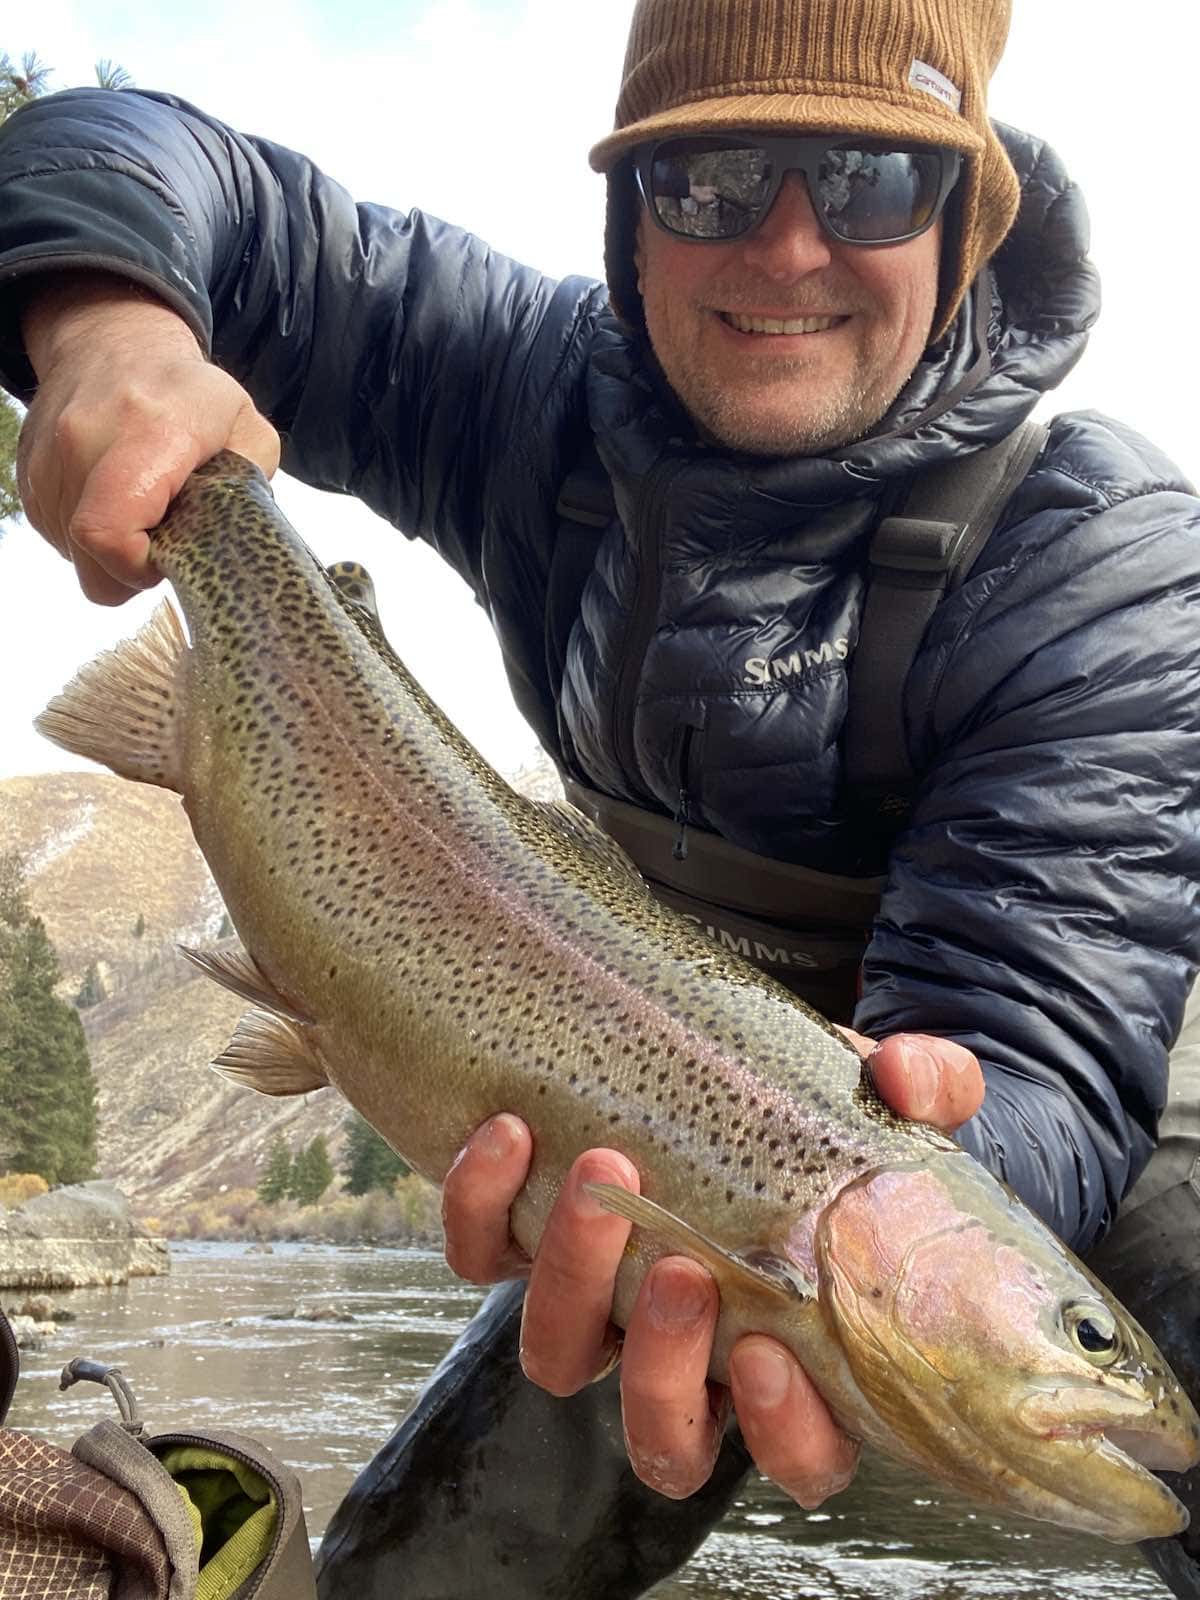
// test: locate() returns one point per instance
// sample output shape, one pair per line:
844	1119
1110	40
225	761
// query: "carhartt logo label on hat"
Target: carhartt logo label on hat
923	76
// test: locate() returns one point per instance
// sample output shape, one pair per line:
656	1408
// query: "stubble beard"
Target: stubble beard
829	419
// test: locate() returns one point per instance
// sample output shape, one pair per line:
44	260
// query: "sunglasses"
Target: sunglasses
864	191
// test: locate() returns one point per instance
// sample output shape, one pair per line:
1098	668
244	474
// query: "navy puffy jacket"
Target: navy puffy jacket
1042	906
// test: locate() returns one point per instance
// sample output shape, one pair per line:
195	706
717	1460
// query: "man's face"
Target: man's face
856	321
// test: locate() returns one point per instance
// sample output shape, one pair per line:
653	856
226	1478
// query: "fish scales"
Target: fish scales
447	877
441	949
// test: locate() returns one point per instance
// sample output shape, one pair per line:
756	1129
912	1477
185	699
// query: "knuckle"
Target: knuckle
72	428
556	1361
653	1390
811	1490
666	1478
548	1372
467	1263
671	1472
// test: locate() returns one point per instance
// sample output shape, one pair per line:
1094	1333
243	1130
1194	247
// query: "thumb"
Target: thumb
253	436
928	1079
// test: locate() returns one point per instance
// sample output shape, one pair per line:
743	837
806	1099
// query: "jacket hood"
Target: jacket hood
1020	331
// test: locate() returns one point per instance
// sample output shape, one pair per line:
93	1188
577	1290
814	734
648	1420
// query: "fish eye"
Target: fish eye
1093	1330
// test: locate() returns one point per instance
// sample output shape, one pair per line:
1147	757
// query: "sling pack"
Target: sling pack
809	929
196	1515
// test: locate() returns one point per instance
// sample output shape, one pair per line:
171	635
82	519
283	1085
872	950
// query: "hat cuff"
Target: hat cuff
916	119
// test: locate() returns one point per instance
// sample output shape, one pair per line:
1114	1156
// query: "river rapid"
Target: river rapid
217	1342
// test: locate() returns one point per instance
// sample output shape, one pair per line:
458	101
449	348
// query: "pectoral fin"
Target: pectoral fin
765	1275
273	1055
236	969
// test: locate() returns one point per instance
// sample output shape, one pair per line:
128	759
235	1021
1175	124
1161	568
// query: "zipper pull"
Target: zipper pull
680	849
682	811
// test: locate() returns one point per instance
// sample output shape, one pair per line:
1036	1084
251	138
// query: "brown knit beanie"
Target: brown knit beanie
905	69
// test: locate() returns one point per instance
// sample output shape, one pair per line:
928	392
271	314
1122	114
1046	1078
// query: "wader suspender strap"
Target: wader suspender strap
807	929
585	508
916	559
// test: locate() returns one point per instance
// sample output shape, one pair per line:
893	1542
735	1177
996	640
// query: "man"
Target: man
818	294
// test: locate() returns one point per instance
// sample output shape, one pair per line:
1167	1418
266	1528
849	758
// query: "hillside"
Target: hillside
115	875
113	871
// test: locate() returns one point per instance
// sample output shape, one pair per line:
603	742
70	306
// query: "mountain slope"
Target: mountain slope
113	871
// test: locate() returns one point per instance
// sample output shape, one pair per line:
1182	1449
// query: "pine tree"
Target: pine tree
369	1161
91	990
20	82
47	1091
312	1173
275	1184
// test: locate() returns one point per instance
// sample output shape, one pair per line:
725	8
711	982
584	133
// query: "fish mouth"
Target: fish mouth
1121	1441
1127	1426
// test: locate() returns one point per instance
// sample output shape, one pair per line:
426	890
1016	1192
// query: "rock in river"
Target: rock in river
74	1238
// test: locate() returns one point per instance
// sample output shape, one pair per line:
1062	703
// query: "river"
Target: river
206	1343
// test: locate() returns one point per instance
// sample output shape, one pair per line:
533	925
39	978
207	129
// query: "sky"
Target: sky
482	112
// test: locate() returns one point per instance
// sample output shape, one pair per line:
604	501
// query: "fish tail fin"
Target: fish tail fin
123	708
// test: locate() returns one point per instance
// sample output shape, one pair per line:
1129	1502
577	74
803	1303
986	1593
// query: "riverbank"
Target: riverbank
408	1215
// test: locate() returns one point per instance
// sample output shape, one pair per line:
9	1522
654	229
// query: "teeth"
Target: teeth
774	325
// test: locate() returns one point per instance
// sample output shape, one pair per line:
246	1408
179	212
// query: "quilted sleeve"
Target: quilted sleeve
401	358
1043	907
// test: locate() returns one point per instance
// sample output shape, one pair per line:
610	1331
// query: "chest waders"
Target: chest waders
491	1486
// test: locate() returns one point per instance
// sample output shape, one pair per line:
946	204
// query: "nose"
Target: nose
789	242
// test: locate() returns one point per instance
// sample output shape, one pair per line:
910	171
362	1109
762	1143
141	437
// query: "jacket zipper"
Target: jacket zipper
647	532
683	808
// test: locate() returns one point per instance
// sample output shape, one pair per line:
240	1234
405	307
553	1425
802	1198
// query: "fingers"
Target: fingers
566	1337
126	409
787	1427
98	585
476	1198
928	1080
111	490
673	1417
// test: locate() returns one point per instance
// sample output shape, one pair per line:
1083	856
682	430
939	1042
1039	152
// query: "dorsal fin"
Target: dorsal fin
352	580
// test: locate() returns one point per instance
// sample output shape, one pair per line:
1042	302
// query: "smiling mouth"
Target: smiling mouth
778	325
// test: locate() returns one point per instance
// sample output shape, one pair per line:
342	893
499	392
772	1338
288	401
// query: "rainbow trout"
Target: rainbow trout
441	949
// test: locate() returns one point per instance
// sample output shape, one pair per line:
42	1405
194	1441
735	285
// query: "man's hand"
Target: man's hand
126	407
673	1416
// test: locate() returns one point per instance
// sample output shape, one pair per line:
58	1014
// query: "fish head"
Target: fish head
994	1359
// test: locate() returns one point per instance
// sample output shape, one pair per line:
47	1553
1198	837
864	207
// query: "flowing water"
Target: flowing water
217	1342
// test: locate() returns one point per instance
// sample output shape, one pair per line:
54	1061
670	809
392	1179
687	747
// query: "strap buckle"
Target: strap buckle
915	552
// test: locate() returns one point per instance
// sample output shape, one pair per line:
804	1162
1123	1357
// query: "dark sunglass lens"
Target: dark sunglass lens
868	196
705	190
